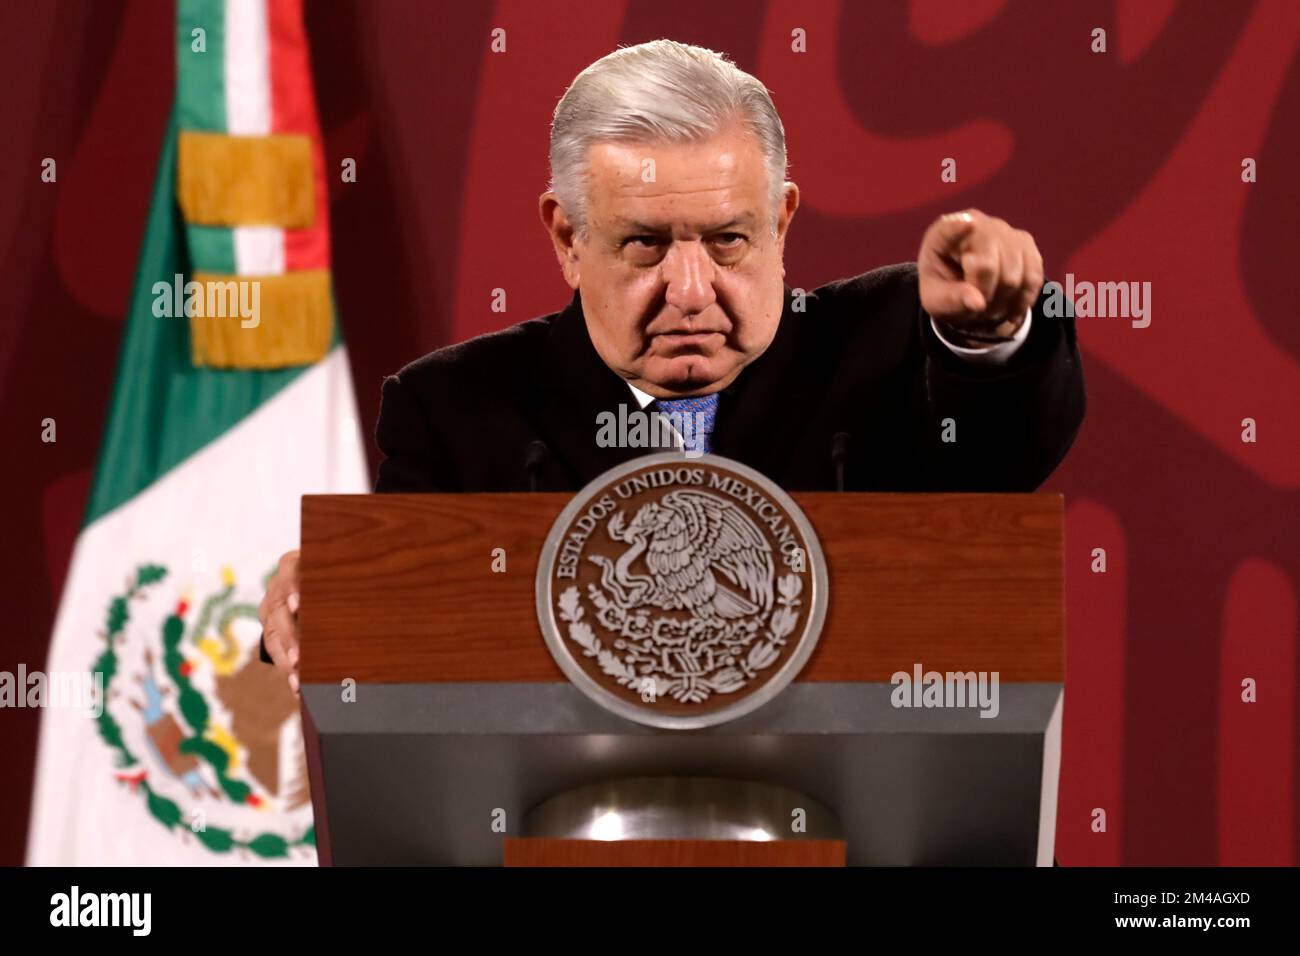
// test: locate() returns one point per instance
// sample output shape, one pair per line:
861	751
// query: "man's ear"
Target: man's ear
562	236
784	214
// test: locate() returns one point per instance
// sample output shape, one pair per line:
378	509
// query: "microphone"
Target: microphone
839	457
533	461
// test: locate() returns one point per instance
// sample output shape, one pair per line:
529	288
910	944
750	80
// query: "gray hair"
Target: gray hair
661	91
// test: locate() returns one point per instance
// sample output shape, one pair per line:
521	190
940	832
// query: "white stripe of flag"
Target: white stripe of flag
259	250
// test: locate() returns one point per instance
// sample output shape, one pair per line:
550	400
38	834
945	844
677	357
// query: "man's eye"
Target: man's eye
728	239
643	242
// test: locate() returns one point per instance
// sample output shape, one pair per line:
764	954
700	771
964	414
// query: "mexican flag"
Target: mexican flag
232	399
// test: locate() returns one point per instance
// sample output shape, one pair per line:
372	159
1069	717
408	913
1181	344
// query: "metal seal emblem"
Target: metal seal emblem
681	593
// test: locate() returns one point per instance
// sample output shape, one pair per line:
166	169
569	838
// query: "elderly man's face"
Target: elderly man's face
681	276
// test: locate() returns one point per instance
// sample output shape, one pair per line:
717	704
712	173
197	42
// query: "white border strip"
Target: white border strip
1051	785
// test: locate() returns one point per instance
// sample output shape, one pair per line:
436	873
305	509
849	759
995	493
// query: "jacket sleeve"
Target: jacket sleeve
1001	428
414	459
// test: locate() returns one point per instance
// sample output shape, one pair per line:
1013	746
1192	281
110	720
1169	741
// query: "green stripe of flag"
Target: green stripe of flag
201	76
212	248
201	99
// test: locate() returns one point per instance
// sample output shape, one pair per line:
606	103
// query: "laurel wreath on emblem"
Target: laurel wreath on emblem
744	650
194	710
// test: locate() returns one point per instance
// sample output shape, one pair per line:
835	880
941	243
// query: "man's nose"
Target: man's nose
688	272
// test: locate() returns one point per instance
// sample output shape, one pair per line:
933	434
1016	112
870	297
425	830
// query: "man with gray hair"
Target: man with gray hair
668	211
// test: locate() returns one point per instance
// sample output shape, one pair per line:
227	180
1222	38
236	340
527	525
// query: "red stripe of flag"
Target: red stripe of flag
293	110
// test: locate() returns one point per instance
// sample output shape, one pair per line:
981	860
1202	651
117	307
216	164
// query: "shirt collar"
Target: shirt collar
643	398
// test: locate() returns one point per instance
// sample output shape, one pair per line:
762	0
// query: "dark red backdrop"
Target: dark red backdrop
1125	165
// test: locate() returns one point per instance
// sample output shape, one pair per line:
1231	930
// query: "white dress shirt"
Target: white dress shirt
996	354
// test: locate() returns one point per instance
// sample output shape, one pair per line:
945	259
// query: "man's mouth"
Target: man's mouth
686	340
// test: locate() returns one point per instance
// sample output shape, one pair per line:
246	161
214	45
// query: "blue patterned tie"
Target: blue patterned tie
692	417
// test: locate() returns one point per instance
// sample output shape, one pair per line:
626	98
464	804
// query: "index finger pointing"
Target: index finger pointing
951	229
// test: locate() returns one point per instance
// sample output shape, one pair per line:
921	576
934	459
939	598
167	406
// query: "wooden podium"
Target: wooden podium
460	716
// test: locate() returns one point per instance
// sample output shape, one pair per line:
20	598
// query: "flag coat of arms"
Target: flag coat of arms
232	399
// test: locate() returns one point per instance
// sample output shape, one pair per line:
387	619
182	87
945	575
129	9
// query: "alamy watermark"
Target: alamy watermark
1117	300
949	689
71	690
219	299
639	428
133	911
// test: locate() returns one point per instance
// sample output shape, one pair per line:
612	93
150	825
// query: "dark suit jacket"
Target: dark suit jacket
861	358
